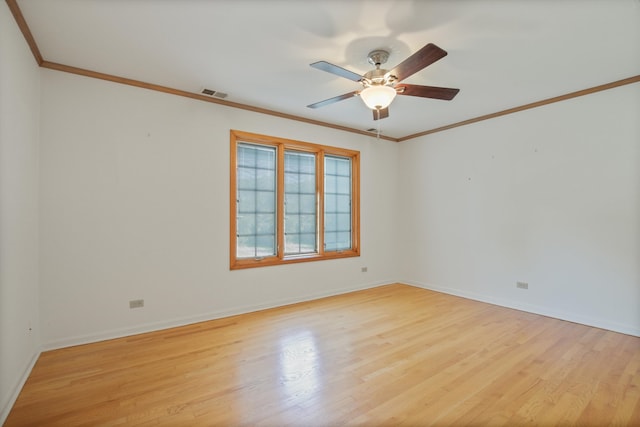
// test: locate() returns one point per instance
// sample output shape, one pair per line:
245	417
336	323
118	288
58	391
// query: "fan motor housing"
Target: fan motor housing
376	75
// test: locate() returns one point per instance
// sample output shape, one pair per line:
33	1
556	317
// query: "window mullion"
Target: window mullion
280	201
355	203
320	201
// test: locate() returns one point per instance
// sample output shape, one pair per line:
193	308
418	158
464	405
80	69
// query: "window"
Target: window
256	210
291	201
337	203
300	207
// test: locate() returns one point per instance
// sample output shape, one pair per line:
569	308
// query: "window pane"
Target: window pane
330	168
307	242
343	185
265	158
307	184
344	222
307	223
291	181
330	239
246	178
256	201
330	222
343	240
265	224
308	203
292	243
307	164
265	245
343	167
246	225
246	247
343	204
300	203
265	201
247	156
246	202
330	182
337	207
330	202
292	203
266	179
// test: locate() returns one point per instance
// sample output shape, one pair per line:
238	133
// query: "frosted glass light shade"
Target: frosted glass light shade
378	97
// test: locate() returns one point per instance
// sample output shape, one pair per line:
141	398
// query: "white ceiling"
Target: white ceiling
502	53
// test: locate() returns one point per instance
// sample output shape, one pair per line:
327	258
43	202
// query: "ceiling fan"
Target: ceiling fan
380	86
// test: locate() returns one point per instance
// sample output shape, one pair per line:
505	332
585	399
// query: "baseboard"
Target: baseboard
17	388
529	308
203	317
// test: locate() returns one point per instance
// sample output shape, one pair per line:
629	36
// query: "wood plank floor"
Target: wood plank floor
393	355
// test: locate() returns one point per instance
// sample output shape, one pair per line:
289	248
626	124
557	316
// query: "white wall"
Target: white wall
549	196
135	196
134	204
19	117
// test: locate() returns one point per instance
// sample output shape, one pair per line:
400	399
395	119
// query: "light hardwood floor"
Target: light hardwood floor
393	355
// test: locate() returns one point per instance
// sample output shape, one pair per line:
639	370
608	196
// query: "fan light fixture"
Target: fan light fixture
378	97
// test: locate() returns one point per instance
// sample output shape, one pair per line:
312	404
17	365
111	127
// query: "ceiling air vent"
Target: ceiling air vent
214	93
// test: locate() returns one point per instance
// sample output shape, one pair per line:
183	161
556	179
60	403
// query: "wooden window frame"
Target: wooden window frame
282	144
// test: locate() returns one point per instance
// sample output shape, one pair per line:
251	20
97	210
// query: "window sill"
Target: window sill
238	264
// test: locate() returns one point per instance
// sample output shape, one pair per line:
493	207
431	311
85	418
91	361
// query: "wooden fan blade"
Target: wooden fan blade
334	99
338	71
419	60
382	113
427	91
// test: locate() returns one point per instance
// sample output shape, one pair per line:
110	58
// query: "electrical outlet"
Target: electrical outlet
136	303
365	269
522	285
